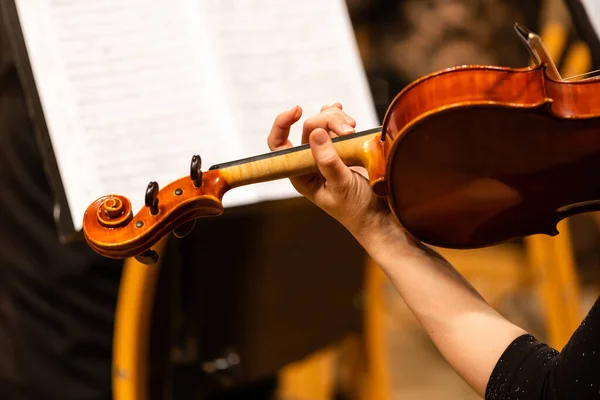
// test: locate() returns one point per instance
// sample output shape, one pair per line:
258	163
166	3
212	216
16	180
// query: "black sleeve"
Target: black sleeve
529	369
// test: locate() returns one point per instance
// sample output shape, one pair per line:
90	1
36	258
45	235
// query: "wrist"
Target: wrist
384	238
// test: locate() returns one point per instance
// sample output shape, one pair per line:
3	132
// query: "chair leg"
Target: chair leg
377	385
133	316
311	378
554	269
577	60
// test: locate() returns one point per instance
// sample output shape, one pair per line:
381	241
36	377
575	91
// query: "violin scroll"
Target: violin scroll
112	230
113	211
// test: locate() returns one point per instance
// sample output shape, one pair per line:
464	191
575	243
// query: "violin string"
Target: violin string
584	74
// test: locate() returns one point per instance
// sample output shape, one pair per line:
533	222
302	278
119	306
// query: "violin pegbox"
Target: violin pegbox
151	201
112	230
196	177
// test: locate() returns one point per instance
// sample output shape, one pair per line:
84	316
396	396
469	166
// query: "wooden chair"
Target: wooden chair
132	328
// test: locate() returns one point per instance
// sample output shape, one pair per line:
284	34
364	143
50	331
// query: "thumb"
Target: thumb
329	162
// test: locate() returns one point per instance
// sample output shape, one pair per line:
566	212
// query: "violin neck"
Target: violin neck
286	163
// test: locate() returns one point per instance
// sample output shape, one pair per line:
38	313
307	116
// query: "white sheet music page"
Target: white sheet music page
276	54
130	93
592	7
132	89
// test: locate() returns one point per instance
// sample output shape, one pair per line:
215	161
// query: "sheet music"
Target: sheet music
275	56
132	89
141	94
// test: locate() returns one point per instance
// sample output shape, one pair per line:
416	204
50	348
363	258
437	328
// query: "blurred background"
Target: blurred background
276	300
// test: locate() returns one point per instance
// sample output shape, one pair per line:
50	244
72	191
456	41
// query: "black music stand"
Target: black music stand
62	213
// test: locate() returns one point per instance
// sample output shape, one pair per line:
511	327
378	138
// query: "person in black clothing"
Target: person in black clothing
498	359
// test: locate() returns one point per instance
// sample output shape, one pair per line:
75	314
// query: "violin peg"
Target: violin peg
184	229
196	170
148	257
151	199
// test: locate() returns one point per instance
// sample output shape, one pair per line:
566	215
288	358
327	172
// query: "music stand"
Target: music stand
62	213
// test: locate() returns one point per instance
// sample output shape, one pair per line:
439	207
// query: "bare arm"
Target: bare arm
469	333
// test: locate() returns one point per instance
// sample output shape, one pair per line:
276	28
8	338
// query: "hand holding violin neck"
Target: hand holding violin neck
200	194
354	150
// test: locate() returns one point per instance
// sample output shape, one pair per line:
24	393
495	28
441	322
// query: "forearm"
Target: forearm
469	333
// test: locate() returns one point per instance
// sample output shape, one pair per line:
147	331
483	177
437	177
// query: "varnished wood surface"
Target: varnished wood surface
466	157
482	155
354	152
133	318
463	87
576	100
517	177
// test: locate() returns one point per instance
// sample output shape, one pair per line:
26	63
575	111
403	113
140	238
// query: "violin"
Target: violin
467	157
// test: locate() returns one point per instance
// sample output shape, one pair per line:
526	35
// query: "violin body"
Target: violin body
482	155
467	157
